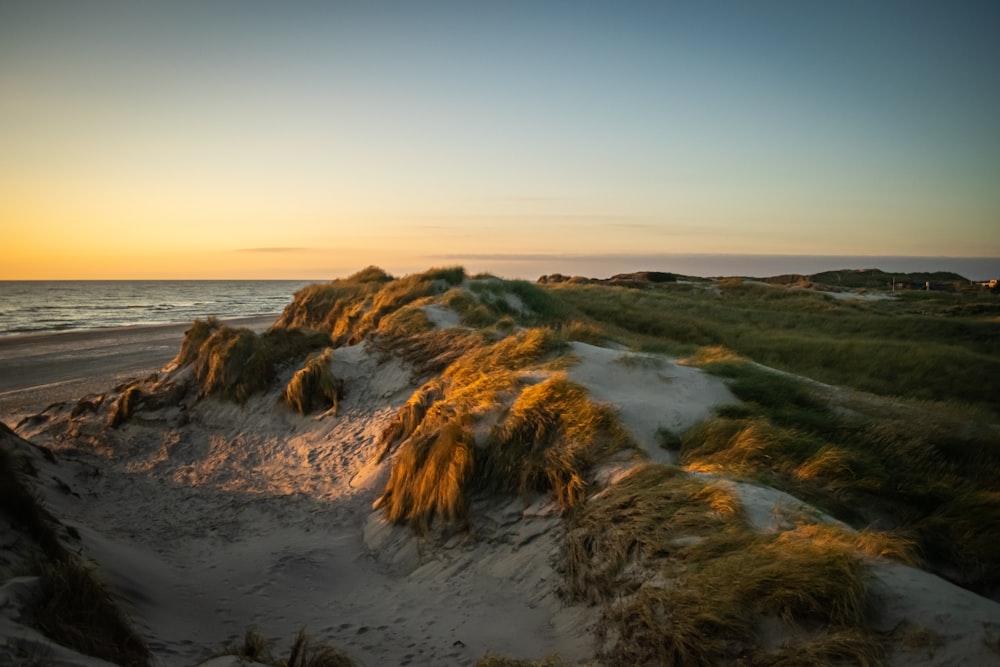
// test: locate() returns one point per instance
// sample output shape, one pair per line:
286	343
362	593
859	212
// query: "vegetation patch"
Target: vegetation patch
352	308
234	363
313	386
77	611
545	442
256	648
929	481
124	406
685	581
926	345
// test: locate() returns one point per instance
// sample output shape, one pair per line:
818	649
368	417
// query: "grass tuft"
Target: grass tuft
235	363
313	386
77	611
124	406
429	478
685	580
256	648
547	442
21	504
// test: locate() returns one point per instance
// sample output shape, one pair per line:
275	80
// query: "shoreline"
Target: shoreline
39	369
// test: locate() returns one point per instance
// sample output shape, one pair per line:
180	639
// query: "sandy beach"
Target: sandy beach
37	370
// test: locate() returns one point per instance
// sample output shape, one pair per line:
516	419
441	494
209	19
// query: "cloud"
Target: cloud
276	249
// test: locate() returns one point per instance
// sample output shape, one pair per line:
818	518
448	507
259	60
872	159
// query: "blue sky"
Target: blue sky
300	139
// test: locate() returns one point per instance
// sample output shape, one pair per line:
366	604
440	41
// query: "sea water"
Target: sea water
60	305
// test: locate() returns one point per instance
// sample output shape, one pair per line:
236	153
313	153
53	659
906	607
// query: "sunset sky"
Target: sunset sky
251	139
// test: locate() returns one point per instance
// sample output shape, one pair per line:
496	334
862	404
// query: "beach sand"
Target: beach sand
37	370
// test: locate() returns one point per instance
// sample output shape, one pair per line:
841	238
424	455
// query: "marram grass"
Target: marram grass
313	386
685	581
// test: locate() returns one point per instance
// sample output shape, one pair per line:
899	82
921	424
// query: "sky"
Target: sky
251	139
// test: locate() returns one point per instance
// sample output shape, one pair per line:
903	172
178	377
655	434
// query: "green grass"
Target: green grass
927	475
907	347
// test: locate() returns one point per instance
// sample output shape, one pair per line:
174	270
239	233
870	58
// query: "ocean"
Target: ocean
36	306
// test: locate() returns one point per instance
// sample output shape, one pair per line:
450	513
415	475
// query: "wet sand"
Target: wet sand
37	370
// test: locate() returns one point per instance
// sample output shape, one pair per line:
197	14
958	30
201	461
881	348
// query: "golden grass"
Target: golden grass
711	354
685	581
124	406
313	386
429	478
235	363
351	309
548	440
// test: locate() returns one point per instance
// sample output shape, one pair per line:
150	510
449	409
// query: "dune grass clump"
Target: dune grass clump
928	481
256	648
350	309
194	337
546	442
124	406
549	439
313	386
429	478
77	611
685	581
235	363
22	505
494	660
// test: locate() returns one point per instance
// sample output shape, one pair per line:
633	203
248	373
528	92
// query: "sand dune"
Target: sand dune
218	517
